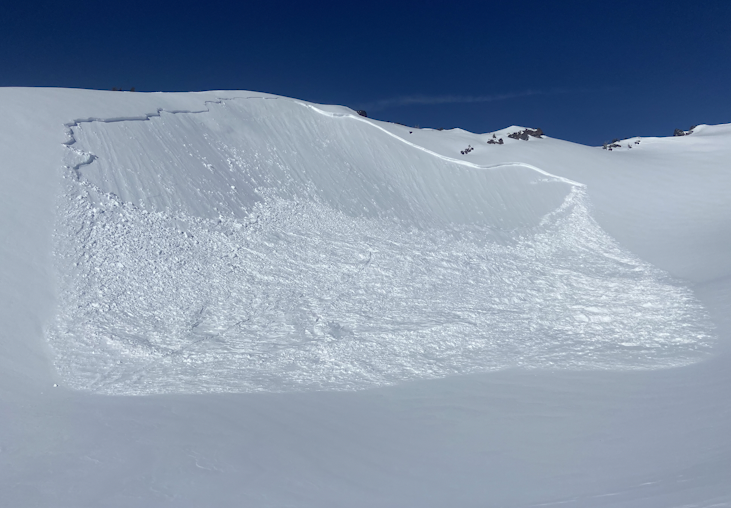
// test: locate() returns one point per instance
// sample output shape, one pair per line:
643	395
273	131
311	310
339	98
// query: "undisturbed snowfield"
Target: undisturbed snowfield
256	301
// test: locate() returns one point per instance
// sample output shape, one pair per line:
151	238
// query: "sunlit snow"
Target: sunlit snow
238	299
299	286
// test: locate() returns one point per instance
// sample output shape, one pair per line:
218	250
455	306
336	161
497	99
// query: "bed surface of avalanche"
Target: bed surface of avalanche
261	246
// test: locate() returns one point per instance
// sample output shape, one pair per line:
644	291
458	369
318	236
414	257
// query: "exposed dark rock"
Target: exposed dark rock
536	133
613	144
679	132
362	113
526	134
616	143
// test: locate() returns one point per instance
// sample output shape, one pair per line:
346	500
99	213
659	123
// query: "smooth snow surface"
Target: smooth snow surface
208	252
238	299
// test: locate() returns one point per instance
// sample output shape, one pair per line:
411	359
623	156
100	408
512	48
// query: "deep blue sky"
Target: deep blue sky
586	71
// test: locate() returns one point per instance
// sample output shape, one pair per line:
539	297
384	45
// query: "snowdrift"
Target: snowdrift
182	245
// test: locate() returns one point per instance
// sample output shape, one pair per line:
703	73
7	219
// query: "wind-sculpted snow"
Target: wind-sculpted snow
273	281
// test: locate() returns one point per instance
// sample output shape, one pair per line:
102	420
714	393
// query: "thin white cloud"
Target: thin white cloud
408	100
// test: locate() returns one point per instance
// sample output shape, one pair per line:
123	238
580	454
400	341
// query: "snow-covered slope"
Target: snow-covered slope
424	324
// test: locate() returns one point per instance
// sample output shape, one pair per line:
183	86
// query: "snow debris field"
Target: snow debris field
238	299
206	252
